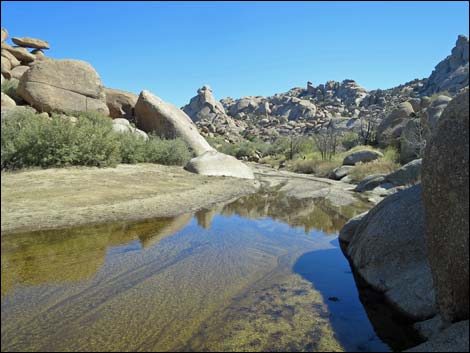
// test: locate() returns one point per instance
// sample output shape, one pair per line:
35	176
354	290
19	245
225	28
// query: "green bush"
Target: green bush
349	140
9	87
29	140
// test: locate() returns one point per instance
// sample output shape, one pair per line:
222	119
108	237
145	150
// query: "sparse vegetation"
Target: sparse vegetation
29	140
379	166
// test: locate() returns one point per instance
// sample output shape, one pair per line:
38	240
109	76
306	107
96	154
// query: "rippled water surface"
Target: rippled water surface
262	273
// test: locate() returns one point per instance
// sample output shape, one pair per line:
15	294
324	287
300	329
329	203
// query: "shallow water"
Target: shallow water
263	273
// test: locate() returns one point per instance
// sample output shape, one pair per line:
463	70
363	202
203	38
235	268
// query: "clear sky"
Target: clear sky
243	48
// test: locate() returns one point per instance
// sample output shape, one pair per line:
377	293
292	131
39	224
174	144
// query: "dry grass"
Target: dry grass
316	167
380	166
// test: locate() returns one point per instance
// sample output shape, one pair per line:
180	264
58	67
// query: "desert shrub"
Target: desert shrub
168	152
379	166
349	140
29	140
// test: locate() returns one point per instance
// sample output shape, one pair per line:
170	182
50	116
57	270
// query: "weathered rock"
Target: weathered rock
18	71
166	120
63	86
20	53
445	178
13	60
340	172
347	232
4	34
218	164
7	102
370	182
363	156
121	103
390	129
451	74
453	339
409	174
28	42
388	250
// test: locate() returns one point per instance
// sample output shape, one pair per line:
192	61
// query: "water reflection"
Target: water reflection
230	278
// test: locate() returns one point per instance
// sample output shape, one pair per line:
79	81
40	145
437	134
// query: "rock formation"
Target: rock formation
164	119
451	74
388	250
445	179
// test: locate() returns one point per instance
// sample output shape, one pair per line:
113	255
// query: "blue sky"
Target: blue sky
243	48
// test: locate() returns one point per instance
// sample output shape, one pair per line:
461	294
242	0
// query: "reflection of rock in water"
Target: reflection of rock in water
391	326
204	217
312	214
73	254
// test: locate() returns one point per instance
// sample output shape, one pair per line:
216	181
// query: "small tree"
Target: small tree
416	135
326	141
368	128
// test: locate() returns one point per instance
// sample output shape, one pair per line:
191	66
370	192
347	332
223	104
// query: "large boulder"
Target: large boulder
340	172
63	86
218	164
391	127
168	121
370	182
409	174
363	156
388	249
121	103
30	42
445	179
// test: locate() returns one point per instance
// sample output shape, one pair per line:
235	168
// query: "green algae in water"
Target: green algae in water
222	280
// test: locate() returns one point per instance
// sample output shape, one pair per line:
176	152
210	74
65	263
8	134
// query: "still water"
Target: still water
263	273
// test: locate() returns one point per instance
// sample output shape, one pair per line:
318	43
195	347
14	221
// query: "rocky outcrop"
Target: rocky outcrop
210	117
18	71
445	178
388	250
362	156
218	164
63	86
121	103
167	121
409	174
451	74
